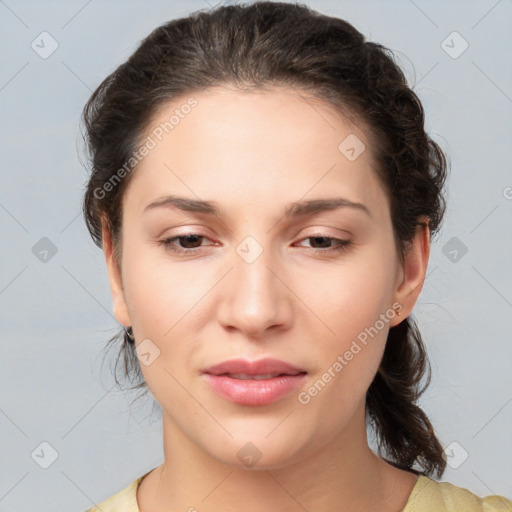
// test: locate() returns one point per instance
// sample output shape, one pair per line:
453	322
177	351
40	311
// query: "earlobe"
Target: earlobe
413	271
114	276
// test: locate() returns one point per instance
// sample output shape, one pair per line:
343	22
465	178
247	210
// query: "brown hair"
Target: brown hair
269	44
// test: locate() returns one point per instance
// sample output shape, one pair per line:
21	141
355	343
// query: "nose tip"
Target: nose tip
253	299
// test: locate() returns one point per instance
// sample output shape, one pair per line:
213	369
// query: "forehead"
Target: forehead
267	147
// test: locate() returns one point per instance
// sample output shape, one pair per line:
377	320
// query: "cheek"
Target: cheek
352	301
158	294
349	297
166	304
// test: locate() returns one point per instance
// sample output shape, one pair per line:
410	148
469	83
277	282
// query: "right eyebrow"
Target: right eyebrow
186	204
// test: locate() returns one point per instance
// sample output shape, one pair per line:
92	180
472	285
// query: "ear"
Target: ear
412	273
114	277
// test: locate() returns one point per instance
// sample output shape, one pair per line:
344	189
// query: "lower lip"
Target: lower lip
254	392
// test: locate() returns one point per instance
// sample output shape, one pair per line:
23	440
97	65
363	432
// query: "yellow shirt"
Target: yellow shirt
427	496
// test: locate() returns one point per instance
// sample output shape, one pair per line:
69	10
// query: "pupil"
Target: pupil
189	239
317	238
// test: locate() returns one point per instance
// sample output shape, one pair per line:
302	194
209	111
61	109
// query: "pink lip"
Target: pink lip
254	392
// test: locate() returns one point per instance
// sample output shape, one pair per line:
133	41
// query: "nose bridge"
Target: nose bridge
253	298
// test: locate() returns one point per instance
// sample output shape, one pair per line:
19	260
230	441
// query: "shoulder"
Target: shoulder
123	501
431	496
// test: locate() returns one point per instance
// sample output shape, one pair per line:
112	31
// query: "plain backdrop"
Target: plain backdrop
56	311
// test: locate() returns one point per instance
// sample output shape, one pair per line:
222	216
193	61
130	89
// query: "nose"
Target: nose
254	297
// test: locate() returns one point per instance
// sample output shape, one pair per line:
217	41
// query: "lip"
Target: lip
254	392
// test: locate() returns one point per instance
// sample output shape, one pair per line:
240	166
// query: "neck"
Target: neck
344	474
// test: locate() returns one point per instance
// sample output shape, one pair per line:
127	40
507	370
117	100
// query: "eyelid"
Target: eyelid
339	244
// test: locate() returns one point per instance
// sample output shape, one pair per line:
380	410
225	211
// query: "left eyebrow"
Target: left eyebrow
295	209
313	206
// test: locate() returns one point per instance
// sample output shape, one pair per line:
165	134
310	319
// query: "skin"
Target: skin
254	153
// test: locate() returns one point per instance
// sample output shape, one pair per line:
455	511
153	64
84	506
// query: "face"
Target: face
267	269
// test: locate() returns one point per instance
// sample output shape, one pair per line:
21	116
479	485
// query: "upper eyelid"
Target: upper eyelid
191	233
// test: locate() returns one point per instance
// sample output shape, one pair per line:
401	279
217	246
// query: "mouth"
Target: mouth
265	376
254	383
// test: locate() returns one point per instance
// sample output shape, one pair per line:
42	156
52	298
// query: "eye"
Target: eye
328	243
189	243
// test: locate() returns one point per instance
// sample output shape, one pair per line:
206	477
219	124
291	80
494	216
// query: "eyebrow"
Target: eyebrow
295	209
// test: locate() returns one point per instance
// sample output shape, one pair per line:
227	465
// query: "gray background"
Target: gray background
56	309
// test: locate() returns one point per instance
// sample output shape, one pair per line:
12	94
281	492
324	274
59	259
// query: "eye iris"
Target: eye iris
322	238
190	239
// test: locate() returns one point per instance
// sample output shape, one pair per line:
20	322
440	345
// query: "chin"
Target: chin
258	450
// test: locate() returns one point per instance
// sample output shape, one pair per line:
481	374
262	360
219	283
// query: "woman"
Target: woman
265	195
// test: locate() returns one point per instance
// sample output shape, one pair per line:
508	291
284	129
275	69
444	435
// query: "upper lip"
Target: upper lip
259	367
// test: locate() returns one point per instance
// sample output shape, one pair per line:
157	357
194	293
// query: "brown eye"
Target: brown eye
190	241
182	244
322	241
325	244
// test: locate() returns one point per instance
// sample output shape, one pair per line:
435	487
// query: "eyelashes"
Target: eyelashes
168	243
338	245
